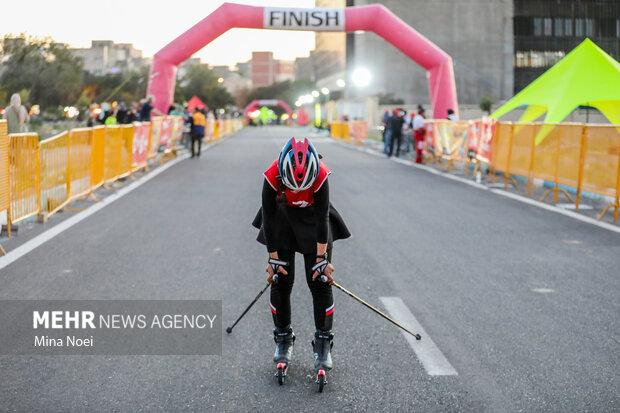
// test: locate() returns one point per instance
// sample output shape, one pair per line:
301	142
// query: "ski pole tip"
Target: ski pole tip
418	337
229	330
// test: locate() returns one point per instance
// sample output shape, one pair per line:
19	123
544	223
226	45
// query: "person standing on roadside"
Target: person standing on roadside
147	109
16	115
419	131
198	122
396	125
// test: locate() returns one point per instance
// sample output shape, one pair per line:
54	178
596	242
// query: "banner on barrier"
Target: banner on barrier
140	143
485	141
166	134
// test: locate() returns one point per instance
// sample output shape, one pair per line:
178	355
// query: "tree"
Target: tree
46	69
485	103
202	82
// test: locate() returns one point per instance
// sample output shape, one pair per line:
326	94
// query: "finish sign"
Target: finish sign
316	19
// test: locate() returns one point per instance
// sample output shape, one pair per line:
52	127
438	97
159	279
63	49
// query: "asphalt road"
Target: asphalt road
465	262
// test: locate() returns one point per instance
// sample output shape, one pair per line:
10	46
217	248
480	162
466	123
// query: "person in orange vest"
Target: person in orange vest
198	122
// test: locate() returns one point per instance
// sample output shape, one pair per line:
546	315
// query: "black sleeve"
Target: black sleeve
321	205
269	216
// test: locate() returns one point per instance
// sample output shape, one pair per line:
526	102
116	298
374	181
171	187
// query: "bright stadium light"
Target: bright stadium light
361	77
340	83
220	80
325	91
315	93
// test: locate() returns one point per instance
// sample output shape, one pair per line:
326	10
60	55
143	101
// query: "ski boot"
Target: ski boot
284	338
322	345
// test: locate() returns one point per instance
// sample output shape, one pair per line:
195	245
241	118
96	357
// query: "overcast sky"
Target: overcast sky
150	25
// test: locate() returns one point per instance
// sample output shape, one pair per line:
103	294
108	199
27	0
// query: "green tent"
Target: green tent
586	76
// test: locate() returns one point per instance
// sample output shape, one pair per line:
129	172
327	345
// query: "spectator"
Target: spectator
147	108
198	131
386	131
451	115
121	113
111	120
104	114
131	114
16	115
419	131
396	125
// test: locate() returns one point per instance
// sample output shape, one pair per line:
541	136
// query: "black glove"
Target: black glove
320	268
274	265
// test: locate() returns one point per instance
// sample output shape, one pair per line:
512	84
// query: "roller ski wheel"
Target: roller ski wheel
281	372
321	379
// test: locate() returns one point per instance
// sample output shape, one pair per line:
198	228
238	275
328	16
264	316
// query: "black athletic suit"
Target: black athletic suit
287	229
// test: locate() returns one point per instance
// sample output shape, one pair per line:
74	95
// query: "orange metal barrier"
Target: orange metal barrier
601	163
24	177
358	130
582	156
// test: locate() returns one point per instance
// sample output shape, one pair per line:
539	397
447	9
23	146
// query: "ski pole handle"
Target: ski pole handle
323	278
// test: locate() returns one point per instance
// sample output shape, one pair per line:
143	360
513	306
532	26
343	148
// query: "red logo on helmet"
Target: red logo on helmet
300	153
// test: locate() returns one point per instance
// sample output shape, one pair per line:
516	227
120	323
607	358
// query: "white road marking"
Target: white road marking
543	290
557	210
516	197
433	360
42	238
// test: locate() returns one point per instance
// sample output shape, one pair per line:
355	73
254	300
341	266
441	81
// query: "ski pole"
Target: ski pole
229	329
350	294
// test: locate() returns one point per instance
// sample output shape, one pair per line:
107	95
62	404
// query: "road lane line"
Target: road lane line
520	198
42	238
433	360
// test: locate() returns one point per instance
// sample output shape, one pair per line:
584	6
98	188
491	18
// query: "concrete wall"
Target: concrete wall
476	33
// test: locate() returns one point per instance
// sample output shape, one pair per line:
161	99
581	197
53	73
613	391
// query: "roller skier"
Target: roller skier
296	216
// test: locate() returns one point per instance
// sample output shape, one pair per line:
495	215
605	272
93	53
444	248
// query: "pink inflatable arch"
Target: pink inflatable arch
375	18
266	102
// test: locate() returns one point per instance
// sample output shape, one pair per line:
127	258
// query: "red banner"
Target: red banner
166	133
485	142
140	143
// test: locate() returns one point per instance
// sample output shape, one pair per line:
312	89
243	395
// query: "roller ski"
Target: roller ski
285	339
322	345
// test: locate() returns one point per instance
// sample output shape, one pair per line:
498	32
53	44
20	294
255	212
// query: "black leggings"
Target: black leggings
322	297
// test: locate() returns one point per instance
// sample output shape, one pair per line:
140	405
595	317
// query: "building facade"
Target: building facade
105	57
266	70
477	34
545	31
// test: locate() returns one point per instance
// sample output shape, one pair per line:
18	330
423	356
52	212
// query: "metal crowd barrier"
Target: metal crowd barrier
41	178
584	157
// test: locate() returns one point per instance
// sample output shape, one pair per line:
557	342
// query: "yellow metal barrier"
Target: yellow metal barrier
98	151
55	180
112	154
126	150
81	156
216	129
24	177
5	193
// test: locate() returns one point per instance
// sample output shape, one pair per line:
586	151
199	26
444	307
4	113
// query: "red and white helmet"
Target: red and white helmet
298	164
